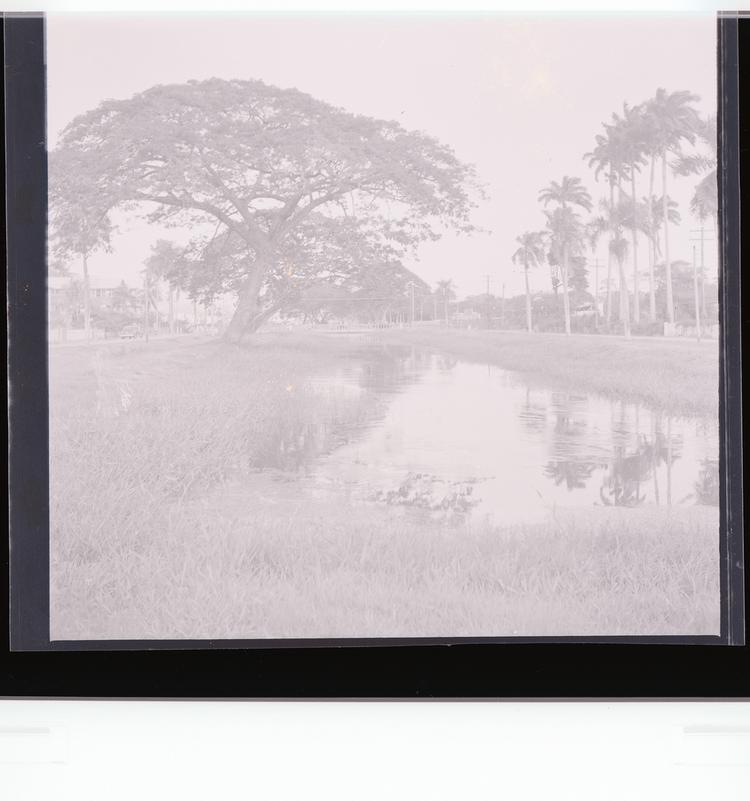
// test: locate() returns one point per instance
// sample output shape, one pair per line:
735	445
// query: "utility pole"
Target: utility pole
411	291
697	298
702	238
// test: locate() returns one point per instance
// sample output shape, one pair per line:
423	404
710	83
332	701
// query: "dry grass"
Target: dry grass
135	554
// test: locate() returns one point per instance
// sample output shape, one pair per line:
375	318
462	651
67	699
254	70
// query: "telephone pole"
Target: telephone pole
702	238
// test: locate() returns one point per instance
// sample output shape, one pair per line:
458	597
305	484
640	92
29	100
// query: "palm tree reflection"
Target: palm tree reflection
625	473
630	468
574	475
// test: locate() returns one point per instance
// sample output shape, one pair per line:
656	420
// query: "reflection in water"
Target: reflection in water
621	485
573	475
412	429
627	463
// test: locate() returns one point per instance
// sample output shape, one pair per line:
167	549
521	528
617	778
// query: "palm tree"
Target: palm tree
648	127
445	288
705	201
608	158
595	228
162	263
612	219
565	225
671	119
652	219
633	131
530	254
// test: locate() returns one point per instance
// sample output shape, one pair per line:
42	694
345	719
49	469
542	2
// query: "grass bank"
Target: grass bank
143	437
137	430
676	375
337	571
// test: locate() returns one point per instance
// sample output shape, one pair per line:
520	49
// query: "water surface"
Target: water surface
459	439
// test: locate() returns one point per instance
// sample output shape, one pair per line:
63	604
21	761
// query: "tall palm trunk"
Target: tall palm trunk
86	297
528	295
636	299
624	298
667	264
652	249
566	299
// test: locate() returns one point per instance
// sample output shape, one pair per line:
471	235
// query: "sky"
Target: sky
520	98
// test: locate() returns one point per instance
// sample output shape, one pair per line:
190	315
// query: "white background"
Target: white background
374	751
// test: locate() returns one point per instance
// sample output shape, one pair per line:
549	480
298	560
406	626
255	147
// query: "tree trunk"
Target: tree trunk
86	298
636	299
624	299
667	265
596	290
652	249
248	308
171	309
528	297
623	304
566	299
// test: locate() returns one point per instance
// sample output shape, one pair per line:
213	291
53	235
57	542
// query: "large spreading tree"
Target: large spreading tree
279	189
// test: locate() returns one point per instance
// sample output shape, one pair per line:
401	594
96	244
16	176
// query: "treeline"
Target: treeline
662	137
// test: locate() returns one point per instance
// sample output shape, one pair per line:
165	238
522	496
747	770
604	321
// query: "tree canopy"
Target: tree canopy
282	190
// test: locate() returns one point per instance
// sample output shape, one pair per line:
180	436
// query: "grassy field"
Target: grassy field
144	543
678	375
